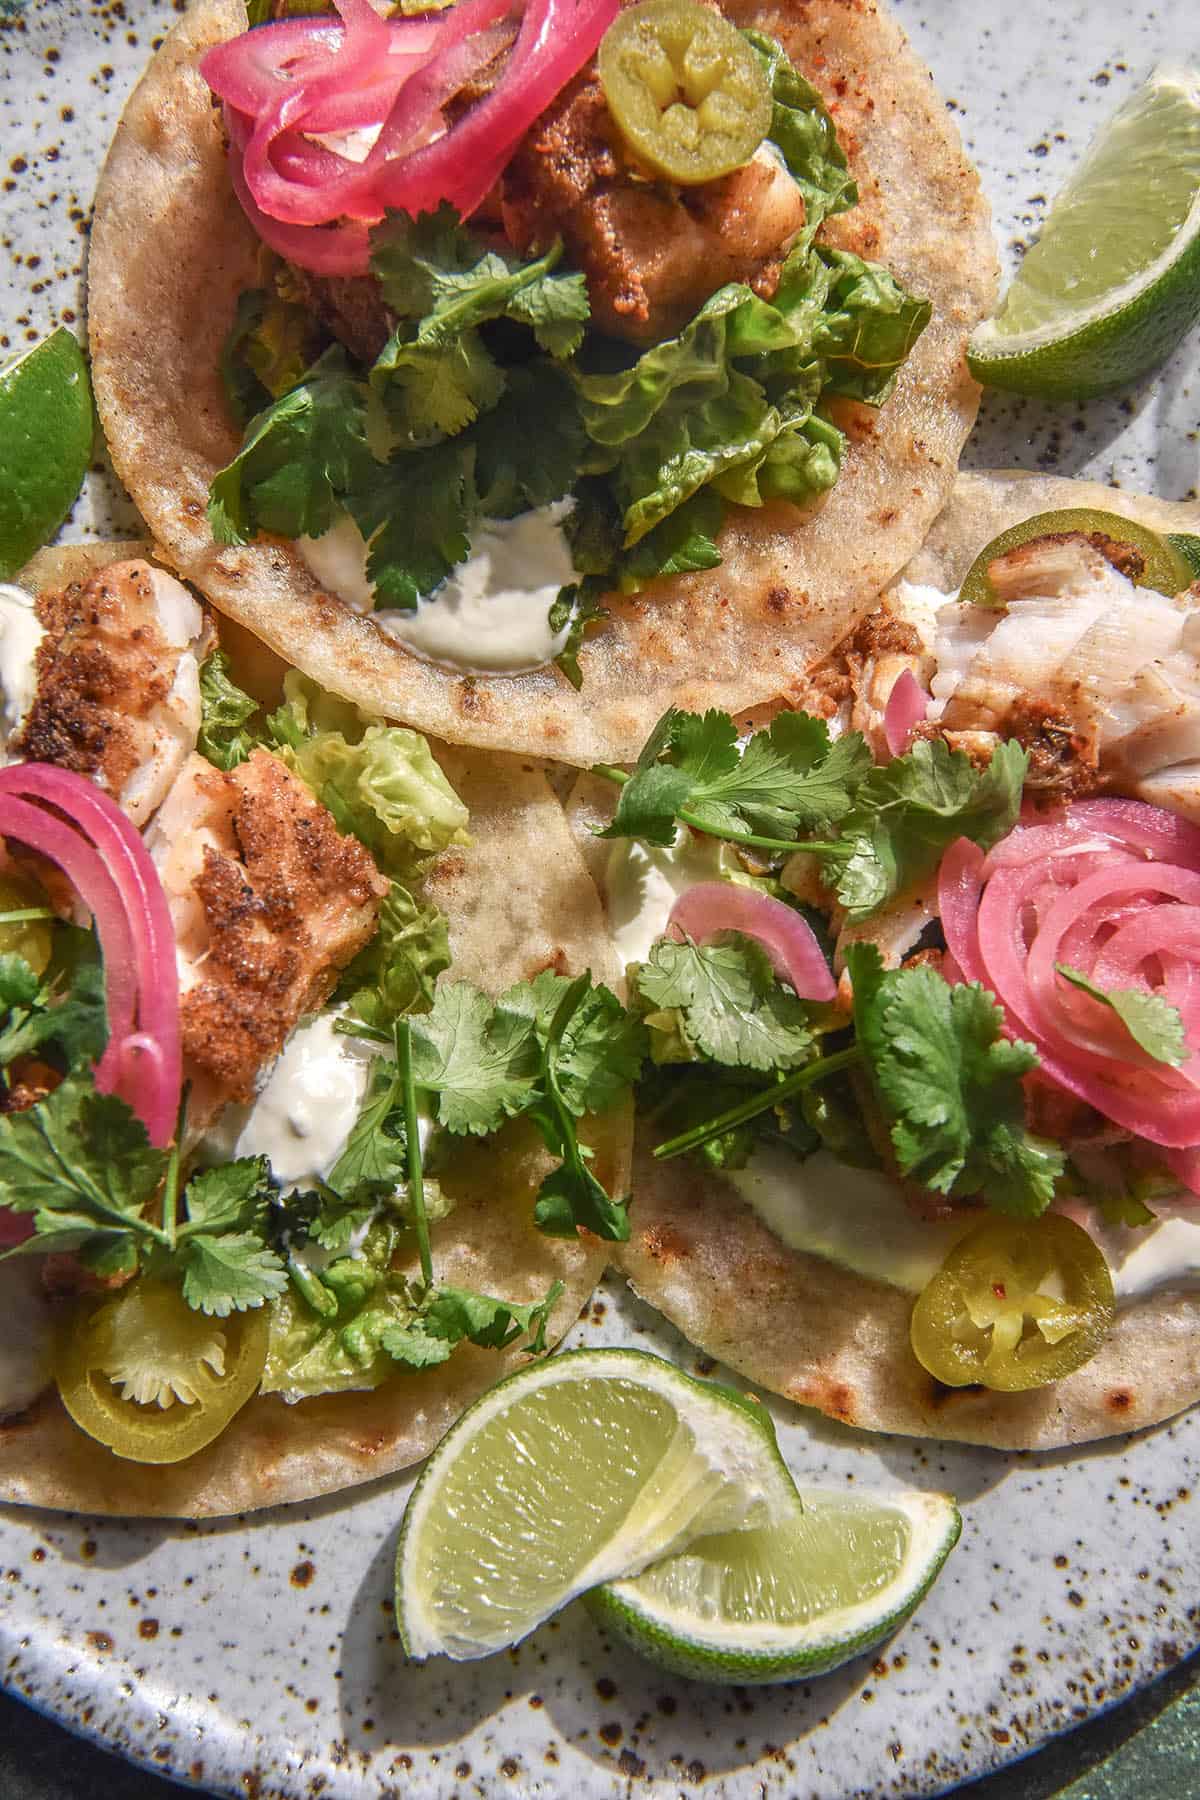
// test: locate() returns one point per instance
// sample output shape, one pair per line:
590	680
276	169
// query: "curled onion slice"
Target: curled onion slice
907	705
1111	888
103	857
287	86
790	942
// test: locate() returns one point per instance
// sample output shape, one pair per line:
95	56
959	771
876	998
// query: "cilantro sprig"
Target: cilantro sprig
949	1084
946	1083
439	1317
692	771
893	822
727	1003
81	1163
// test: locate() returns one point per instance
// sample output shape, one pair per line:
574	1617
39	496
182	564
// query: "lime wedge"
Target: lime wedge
790	1600
45	444
572	1472
1168	568
1113	282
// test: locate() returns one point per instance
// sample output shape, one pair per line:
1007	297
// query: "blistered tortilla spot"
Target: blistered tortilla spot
664	1244
1118	1401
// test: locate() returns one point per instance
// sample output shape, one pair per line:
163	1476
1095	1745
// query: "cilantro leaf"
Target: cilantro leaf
950	1086
416	512
1152	1022
731	1006
435	269
414	1346
480	1061
599	1048
571	1197
787	778
578	607
81	1152
225	711
456	1313
231	1273
375	1155
71	1027
300	457
19	985
528	451
436	388
908	812
229	1196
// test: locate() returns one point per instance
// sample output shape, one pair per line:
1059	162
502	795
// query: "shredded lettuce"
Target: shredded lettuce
730	403
380	782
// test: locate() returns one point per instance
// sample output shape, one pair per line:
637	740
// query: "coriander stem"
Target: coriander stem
412	1139
24	913
609	772
170	1198
758	1103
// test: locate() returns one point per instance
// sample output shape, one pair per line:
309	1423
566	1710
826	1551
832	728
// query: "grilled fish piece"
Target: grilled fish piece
117	694
269	901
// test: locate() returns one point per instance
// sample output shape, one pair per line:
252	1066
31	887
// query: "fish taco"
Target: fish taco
919	1136
503	402
314	1116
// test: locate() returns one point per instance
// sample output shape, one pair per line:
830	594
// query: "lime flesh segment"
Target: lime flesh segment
1168	569
570	1473
1113	281
783	1602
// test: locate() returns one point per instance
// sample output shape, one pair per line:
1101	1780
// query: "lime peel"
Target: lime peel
672	1613
46	433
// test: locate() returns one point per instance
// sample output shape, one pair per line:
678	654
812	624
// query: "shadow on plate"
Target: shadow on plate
599	1698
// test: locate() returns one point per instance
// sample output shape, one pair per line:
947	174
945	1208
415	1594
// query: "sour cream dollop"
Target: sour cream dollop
491	616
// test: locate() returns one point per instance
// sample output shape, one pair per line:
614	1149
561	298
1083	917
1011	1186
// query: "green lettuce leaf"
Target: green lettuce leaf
730	402
380	782
868	328
311	1353
803	133
396	972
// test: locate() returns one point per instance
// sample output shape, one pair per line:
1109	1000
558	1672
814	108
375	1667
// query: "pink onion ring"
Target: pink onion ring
907	705
285	83
105	860
789	940
1111	887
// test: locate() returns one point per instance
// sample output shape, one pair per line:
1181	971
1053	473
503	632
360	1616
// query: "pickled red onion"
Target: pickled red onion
790	942
103	857
907	705
1111	887
285	83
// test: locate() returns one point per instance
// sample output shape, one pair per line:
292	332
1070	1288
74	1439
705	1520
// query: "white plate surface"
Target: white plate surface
257	1657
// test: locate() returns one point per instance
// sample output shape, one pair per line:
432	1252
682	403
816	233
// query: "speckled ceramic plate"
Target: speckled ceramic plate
257	1657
